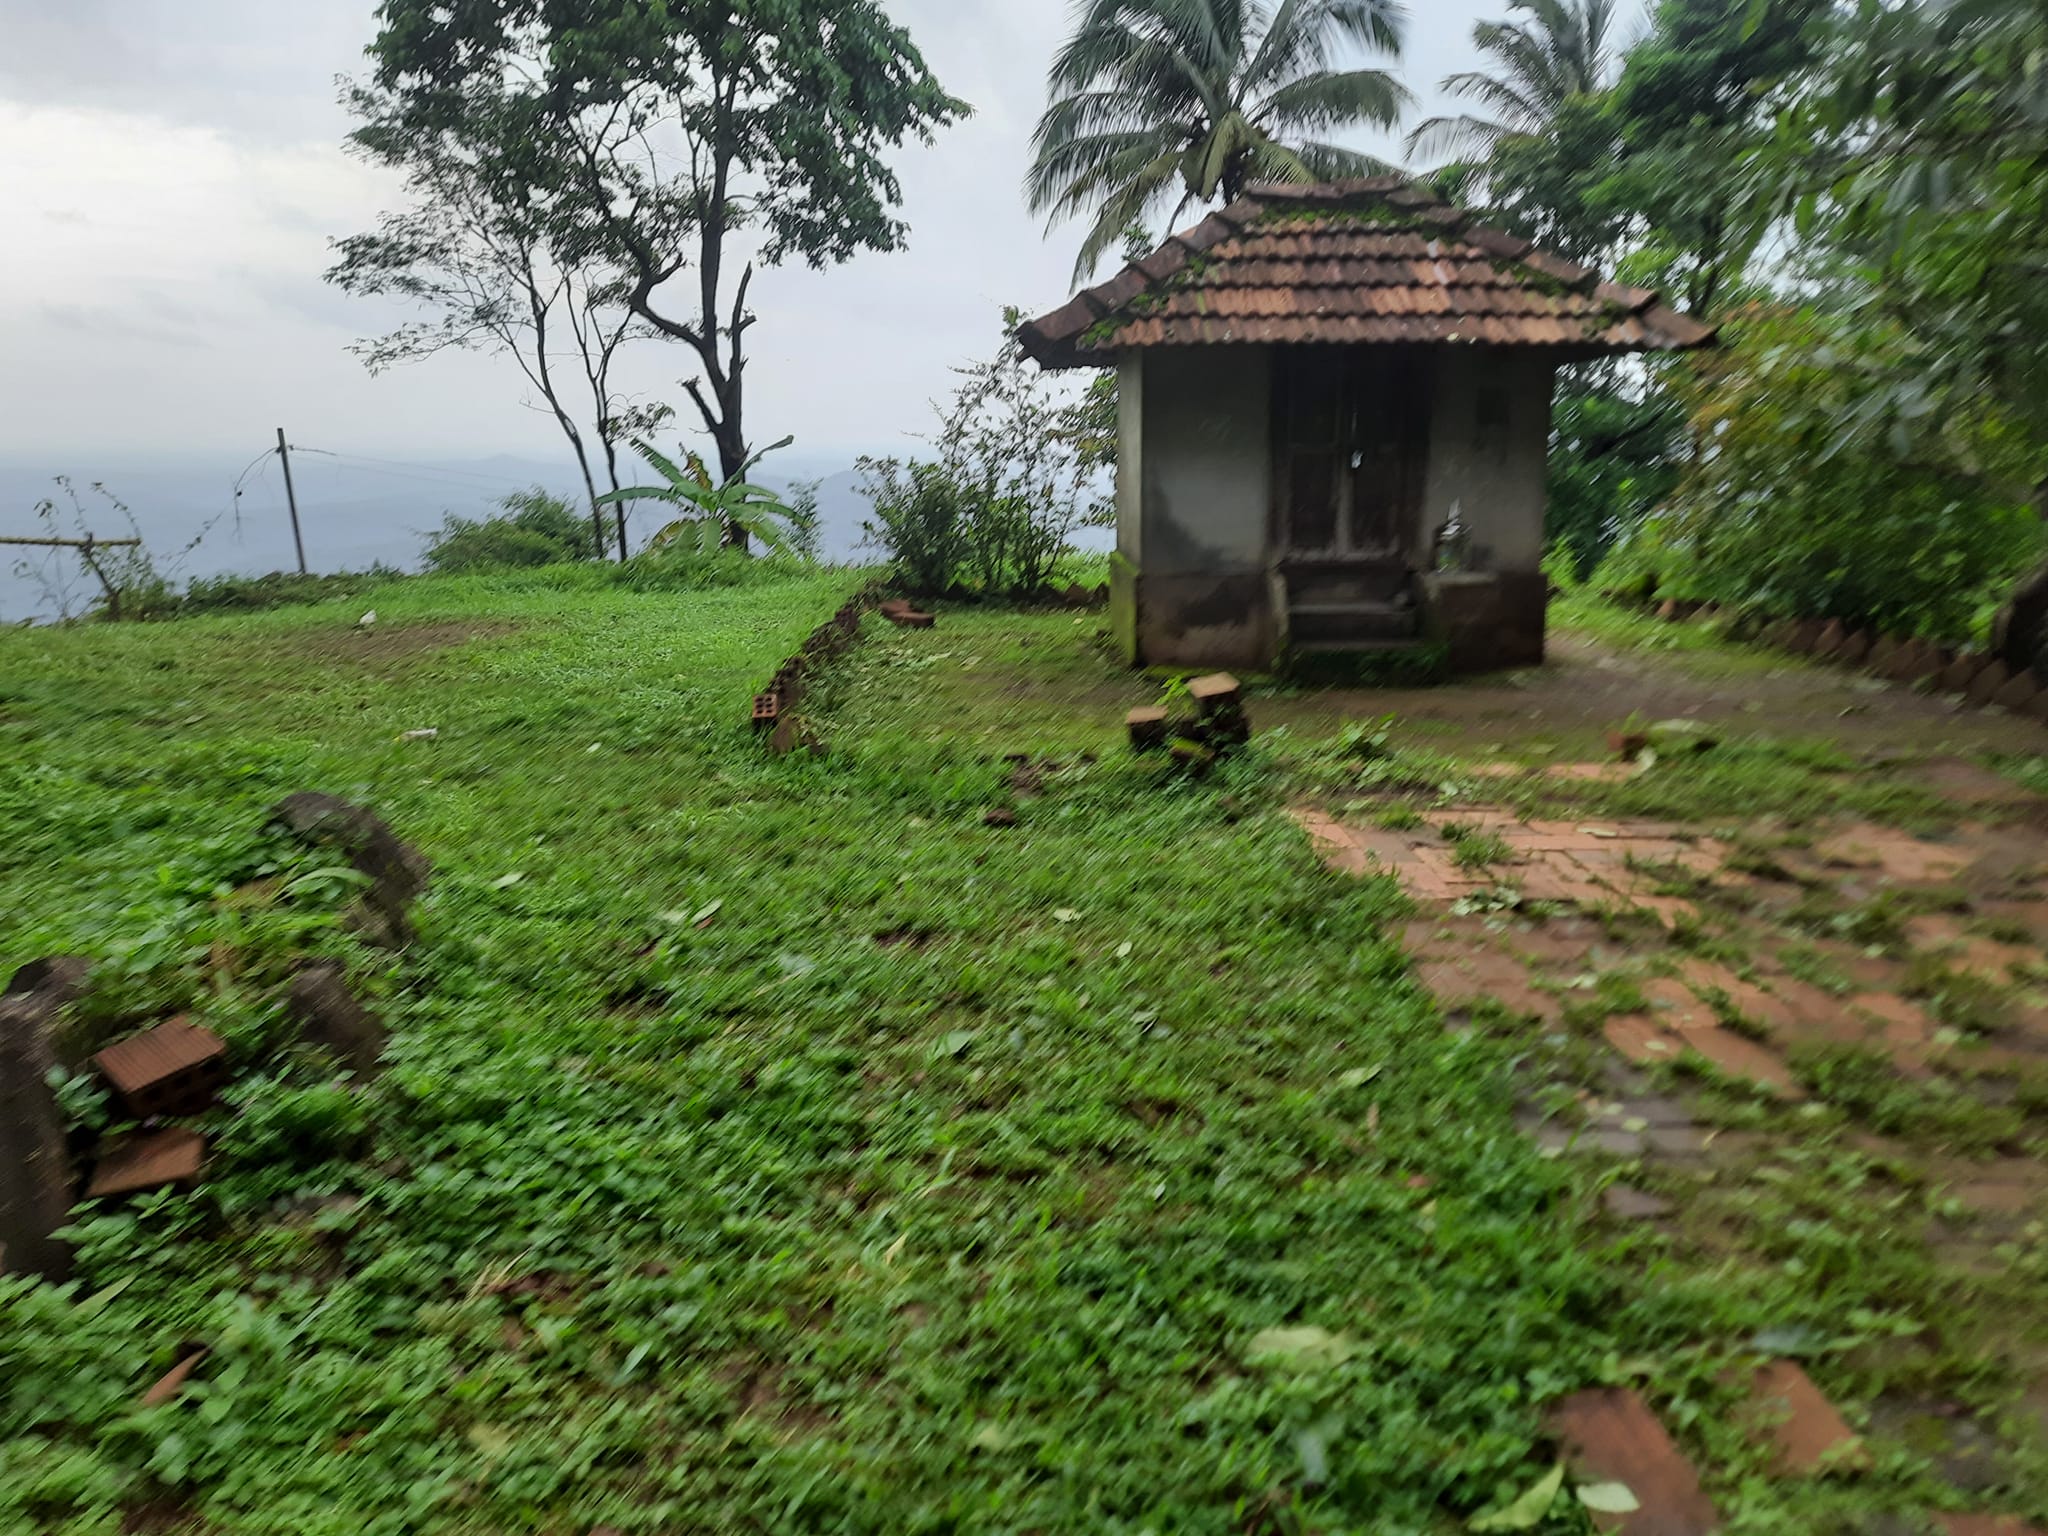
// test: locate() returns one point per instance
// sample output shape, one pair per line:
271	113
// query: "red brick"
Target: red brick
1904	1023
1675	1006
1789	1412
1638	1038
150	1160
1737	1057
173	1069
1609	1435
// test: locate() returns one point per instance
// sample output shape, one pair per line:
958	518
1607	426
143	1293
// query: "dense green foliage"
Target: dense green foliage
1861	192
536	528
1200	98
1888	520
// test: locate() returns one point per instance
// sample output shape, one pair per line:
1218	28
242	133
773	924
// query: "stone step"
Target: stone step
1314	623
1370	580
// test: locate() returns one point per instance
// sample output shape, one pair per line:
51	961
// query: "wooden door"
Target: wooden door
1350	434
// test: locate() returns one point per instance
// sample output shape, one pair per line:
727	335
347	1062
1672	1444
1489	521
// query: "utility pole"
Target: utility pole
291	498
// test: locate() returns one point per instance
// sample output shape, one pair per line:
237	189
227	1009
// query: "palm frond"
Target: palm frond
1320	102
1128	203
1453	138
663	465
1335	162
1268	161
1114	169
684	495
1498	96
1304	34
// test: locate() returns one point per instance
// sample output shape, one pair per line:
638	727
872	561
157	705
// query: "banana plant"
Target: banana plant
728	513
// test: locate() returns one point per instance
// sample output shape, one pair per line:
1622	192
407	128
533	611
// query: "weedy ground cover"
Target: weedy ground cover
773	1144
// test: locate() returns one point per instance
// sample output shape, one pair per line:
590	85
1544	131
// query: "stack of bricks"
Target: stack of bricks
173	1069
1217	725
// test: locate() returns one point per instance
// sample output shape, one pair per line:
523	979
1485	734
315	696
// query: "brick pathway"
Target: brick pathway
1667	945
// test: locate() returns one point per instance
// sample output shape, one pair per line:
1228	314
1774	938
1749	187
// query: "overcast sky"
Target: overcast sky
171	175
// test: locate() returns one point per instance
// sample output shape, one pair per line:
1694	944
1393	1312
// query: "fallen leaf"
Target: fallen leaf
1302	1349
1609	1498
1527	1512
704	914
1066	915
506	882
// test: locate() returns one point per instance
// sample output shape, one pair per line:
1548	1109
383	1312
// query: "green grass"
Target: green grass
766	1222
773	1145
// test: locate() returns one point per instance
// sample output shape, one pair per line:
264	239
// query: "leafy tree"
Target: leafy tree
1618	441
806	522
1548	54
537	528
477	256
1697	98
717	508
658	138
1922	167
1203	97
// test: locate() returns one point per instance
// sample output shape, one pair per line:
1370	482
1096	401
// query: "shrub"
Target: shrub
538	528
1831	483
684	567
921	521
1020	468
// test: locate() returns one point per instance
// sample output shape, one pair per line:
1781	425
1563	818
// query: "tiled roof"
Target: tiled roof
1378	261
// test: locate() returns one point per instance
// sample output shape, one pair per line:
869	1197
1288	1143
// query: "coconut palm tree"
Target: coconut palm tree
1545	53
1202	98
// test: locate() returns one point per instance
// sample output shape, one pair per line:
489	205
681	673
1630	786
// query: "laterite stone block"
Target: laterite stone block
1215	692
1609	1435
2019	689
151	1160
173	1069
36	1188
1146	727
1983	687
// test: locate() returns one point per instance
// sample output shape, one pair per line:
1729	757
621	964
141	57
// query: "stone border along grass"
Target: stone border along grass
1980	680
774	709
774	712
